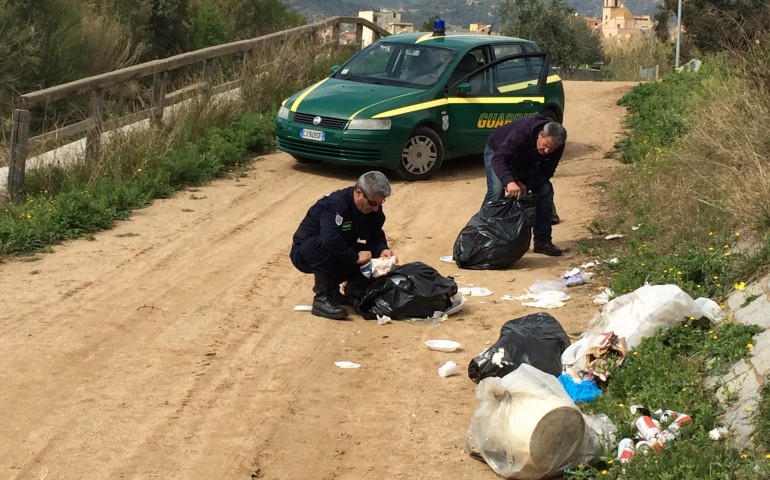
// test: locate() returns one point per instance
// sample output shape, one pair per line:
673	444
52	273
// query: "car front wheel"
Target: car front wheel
421	156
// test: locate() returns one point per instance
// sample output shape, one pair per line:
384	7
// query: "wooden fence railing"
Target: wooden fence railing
96	87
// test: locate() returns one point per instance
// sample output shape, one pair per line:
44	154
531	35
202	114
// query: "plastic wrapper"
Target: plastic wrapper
537	339
495	238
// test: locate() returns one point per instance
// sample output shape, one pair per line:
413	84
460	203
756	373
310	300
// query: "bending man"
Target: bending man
522	156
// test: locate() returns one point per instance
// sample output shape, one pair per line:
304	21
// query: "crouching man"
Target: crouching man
341	232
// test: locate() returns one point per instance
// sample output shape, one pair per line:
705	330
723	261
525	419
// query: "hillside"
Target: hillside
455	12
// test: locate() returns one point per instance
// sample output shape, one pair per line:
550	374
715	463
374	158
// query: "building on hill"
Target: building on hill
619	22
390	20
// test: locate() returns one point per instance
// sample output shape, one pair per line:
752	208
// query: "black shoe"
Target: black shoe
555	219
548	249
325	302
322	307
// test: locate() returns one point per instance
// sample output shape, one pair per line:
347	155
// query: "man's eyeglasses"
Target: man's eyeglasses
371	202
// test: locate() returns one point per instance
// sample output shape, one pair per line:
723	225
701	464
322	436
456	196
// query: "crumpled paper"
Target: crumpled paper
378	267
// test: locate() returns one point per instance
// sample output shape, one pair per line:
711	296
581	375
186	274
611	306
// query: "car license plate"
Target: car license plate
312	134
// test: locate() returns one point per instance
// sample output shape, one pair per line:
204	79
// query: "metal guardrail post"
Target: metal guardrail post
16	169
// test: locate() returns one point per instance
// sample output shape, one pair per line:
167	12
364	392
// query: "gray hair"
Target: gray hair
374	183
556	131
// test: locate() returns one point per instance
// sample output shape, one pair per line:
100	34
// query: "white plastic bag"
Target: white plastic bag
638	315
641	313
527	427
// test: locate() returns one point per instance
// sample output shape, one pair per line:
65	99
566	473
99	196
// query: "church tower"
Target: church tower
609	10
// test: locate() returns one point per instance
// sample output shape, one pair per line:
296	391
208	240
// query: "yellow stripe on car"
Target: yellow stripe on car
381	101
456	101
305	94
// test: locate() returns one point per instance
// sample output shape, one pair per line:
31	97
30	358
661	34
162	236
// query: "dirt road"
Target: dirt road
168	347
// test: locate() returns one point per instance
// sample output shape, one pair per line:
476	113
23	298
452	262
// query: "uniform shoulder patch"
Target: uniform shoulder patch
338	219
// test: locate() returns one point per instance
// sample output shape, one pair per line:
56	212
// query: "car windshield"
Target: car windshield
398	65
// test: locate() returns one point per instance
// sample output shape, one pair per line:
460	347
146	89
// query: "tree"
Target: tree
569	41
715	25
427	25
253	18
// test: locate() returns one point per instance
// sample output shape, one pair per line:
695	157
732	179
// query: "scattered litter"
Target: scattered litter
603	297
448	369
442	345
547	285
636	227
570	273
580	278
383	319
438	318
475	291
579	391
457	303
590	264
447	259
508	297
718	433
550	294
544	298
544	303
378	267
346	364
303	308
613	236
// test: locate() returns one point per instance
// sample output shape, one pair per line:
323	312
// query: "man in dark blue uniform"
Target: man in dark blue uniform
520	157
328	242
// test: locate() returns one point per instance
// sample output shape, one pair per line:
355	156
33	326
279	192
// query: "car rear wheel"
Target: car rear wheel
422	155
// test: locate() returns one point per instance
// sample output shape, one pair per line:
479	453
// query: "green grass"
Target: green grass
693	209
64	204
667	371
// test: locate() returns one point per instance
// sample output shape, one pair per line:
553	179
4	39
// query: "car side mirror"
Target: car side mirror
464	88
335	68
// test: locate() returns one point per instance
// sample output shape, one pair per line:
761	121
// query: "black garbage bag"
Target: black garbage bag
412	290
537	339
495	238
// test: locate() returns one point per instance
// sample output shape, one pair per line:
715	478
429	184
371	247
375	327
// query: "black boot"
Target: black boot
324	302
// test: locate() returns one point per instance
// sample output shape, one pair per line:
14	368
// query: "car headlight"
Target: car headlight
369	124
283	113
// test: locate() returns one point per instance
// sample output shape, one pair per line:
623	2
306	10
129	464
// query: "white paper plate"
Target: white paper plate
442	345
456	306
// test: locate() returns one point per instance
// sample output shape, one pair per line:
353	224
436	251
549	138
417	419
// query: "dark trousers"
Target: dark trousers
312	256
543	210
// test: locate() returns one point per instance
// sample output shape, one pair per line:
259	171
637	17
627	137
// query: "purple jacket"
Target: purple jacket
515	147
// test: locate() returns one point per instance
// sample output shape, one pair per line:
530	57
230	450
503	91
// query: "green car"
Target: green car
408	101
